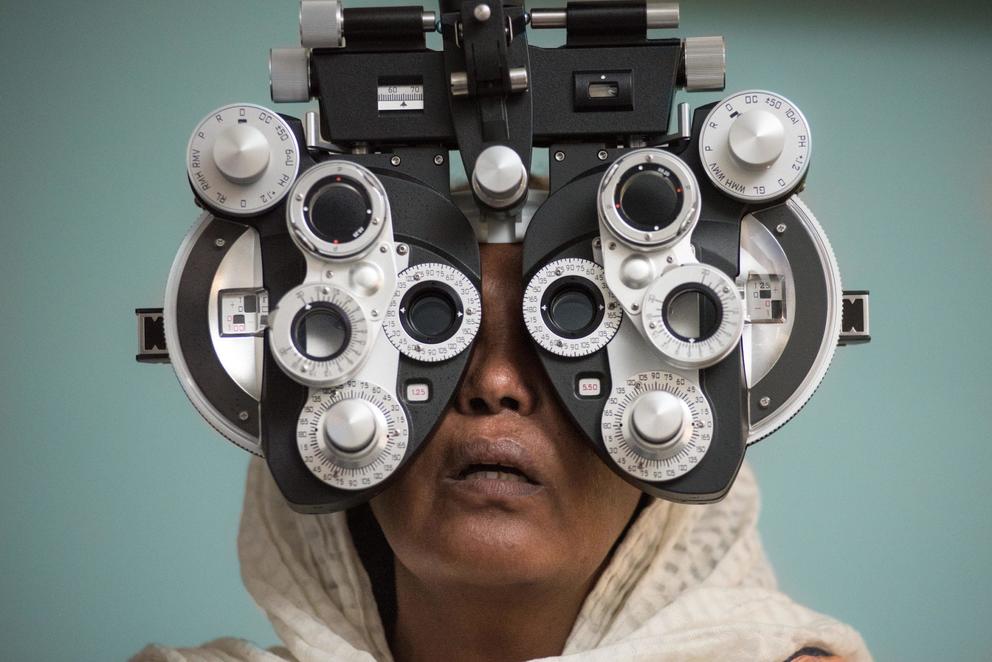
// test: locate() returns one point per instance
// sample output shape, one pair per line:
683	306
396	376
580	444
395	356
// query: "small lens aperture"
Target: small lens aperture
572	310
572	307
430	312
321	331
338	210
649	197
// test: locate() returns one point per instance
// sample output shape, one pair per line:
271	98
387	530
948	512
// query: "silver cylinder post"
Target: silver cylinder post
546	19
658	15
459	84
662	15
519	82
428	20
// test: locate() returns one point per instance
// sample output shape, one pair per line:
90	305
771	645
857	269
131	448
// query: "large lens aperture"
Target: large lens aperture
321	331
649	197
338	210
692	314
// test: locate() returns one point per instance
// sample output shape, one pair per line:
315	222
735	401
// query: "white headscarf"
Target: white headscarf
688	582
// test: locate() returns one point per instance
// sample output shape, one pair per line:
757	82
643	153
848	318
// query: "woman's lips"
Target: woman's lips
492	469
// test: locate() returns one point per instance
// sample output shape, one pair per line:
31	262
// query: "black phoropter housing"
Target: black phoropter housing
610	88
609	84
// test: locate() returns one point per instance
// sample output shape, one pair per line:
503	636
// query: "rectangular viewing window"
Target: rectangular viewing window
604	91
400	95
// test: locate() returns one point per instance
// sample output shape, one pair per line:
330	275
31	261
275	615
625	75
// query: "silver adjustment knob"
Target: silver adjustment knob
289	75
321	24
658	419
757	138
499	177
657	425
350	426
705	64
241	154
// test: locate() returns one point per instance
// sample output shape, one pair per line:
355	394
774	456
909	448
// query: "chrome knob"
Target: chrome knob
499	177
241	153
757	138
350	426
289	75
321	24
704	64
658	419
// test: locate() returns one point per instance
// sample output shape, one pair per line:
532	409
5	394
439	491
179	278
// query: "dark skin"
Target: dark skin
489	571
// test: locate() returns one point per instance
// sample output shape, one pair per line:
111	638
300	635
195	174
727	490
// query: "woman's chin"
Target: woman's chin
491	548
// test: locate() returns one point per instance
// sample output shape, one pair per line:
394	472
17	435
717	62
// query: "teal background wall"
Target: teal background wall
120	506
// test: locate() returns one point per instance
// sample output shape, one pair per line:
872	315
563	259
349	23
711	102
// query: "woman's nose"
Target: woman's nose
503	372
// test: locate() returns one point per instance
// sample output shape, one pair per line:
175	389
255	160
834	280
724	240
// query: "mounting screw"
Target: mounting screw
669	259
219	243
374	313
634	307
764	402
384	248
243	416
602	154
438	159
559	156
612	246
597	243
395	160
329	274
401	249
780	228
482	12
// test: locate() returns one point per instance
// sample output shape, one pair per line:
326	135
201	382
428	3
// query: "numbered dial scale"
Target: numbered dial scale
569	310
242	159
657	426
319	335
434	314
352	437
755	146
693	315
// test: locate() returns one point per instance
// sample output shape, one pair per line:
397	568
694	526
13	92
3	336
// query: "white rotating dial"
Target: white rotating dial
657	425
671	317
755	146
242	159
319	335
434	314
354	436
569	310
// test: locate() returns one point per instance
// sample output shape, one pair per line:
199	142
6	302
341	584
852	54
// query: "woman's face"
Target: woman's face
551	516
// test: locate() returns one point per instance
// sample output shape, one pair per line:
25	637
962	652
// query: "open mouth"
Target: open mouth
493	468
493	472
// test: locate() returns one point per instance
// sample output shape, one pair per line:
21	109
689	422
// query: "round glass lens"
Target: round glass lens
692	315
321	333
338	211
572	310
650	200
432	314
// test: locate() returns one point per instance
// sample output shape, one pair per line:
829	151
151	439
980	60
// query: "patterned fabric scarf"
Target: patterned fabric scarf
687	583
